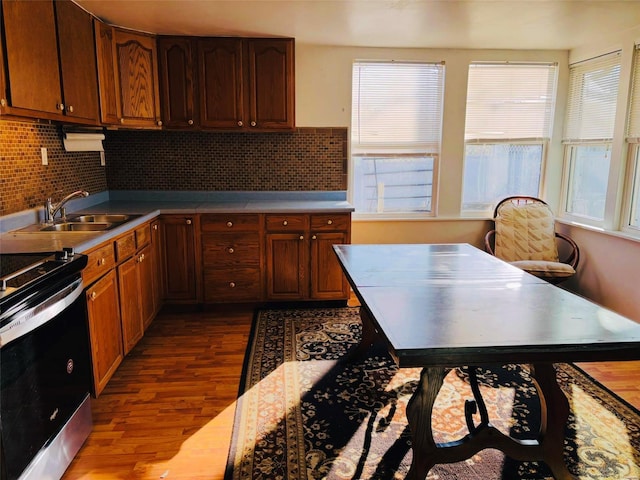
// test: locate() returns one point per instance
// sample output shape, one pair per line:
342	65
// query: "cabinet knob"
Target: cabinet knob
93	295
102	261
253	124
329	222
60	106
3	102
141	258
155	227
240	123
230	250
190	122
122	120
232	284
285	223
70	109
301	237
313	237
229	224
159	123
188	221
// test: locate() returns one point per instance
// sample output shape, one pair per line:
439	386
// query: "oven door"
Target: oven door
45	370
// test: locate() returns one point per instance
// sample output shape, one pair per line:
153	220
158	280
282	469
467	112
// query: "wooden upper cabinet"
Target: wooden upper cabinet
128	77
271	93
77	62
220	75
50	65
227	83
176	76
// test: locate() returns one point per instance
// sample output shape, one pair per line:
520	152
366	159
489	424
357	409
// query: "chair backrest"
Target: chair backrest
525	231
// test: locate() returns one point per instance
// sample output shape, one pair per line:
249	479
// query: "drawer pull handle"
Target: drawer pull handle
232	284
329	222
230	250
285	223
229	224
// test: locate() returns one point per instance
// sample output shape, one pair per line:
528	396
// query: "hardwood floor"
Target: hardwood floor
168	411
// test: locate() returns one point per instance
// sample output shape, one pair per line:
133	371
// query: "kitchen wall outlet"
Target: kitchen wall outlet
102	159
43	154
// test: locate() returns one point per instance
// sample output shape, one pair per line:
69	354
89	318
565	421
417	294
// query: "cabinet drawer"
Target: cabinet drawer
100	261
230	222
233	284
230	250
330	222
143	236
285	223
125	246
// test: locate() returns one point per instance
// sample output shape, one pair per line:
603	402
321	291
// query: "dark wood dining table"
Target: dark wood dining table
441	306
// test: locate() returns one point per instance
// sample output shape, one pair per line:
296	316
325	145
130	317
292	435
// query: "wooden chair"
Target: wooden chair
525	236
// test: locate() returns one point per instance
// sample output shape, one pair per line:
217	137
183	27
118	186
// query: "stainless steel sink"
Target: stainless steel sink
100	218
77	227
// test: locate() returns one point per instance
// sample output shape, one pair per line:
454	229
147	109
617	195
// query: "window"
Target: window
508	125
588	135
633	138
396	124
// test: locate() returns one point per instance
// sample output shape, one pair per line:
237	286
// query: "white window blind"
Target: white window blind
397	106
633	124
593	93
510	101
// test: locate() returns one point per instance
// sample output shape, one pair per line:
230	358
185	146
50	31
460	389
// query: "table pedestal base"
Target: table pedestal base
548	447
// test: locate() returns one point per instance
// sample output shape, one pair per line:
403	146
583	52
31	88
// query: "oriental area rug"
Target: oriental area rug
306	413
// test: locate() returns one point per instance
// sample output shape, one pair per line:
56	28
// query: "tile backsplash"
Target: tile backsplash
26	183
307	159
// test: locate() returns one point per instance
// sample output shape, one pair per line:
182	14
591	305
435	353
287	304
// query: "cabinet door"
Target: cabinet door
327	280
181	277
287	261
137	74
33	74
220	73
177	89
148	301
158	270
104	329
271	83
130	303
108	88
77	62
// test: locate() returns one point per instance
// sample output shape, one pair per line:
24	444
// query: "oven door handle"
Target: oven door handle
28	320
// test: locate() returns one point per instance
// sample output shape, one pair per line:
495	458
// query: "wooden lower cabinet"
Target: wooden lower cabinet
130	303
181	283
327	280
105	329
287	260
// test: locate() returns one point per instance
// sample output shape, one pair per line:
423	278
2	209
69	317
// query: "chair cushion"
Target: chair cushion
525	232
545	269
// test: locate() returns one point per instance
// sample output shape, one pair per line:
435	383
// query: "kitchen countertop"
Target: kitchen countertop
149	206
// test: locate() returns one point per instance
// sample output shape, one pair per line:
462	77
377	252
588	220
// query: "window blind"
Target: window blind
510	101
397	106
633	123
593	94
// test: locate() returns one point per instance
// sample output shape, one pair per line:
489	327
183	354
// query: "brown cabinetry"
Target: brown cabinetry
231	257
227	83
181	279
49	61
128	77
300	263
105	329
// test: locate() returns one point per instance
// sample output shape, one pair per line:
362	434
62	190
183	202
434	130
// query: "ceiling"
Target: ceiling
513	24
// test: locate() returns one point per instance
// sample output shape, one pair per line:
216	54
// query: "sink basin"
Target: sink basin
77	227
101	218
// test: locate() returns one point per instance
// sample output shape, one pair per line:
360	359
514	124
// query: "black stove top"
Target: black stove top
22	271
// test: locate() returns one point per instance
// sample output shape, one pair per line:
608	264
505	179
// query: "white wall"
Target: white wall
610	264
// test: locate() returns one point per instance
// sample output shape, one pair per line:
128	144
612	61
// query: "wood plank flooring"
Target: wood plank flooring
168	411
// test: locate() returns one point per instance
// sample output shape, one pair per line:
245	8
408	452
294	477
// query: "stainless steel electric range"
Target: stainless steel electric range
45	411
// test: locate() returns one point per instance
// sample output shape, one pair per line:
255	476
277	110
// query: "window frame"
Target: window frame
398	150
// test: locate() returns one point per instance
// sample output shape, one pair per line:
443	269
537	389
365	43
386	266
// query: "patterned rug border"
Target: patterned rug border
247	361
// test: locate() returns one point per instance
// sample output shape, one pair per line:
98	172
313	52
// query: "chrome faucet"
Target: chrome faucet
50	208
